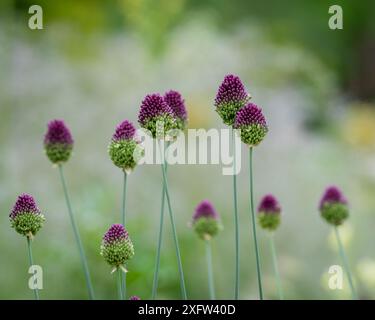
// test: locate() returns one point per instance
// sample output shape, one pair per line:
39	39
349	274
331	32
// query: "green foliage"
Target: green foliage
57	152
269	221
27	223
335	213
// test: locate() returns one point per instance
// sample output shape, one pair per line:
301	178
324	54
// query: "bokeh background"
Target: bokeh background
93	63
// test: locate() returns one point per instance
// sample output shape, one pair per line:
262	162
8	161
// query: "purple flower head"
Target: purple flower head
134	298
25	204
269	205
332	195
153	105
115	233
176	103
231	90
205	209
58	133
249	115
124	131
26	217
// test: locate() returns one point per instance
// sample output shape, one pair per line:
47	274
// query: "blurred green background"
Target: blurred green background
93	63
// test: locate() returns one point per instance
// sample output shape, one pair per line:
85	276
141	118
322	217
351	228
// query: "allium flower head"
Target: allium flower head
134	298
206	220
252	123
117	248
123	146
177	104
156	116
269	212
25	216
230	97
333	206
58	141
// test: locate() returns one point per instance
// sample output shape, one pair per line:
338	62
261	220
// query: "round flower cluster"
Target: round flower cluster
269	213
123	146
334	206
26	217
206	220
58	142
230	98
252	123
157	117
117	248
177	104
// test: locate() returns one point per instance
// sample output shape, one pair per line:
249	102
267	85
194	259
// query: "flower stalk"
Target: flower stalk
346	264
211	284
276	267
257	255
77	235
236	223
123	219
160	238
36	292
175	238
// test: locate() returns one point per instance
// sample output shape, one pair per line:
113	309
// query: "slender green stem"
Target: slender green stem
211	284
254	224
236	223
77	236
123	211
160	237
123	219
36	292
276	268
165	183
119	284
346	264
